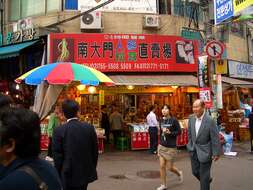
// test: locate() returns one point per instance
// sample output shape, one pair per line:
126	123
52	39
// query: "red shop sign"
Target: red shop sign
126	52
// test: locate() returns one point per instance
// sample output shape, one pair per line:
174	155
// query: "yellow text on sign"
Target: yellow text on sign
241	4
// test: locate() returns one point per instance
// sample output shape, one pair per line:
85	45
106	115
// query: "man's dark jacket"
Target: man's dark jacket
75	153
11	178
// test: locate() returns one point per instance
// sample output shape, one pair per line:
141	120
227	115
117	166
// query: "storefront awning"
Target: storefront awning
155	80
237	82
14	50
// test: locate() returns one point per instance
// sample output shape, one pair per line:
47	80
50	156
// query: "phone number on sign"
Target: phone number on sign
129	66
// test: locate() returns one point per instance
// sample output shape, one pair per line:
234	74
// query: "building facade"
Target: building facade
173	15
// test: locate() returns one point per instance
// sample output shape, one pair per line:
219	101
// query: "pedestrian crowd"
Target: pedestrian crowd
73	147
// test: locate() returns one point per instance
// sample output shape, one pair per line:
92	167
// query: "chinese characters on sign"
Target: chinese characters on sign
205	95
134	6
125	52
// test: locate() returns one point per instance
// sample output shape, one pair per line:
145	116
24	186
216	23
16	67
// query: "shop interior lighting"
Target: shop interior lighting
130	87
17	96
17	87
7	92
92	89
174	87
81	87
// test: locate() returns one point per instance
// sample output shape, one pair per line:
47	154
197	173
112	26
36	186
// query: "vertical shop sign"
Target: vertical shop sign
221	66
203	77
205	95
219	92
101	97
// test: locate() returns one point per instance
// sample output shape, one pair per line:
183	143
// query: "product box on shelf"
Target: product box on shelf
139	140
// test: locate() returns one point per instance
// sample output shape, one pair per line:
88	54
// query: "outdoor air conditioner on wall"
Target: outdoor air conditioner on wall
151	21
91	21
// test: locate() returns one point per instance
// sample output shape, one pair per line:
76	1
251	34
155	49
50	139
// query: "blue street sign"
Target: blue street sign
223	9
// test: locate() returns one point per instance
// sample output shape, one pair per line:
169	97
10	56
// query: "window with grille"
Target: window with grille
18	9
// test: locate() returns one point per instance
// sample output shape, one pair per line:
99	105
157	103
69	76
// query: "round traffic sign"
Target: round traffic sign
214	49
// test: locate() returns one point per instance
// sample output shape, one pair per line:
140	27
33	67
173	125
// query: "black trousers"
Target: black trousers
153	135
116	134
49	150
201	171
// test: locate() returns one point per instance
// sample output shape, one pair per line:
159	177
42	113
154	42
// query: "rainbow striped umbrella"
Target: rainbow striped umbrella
65	73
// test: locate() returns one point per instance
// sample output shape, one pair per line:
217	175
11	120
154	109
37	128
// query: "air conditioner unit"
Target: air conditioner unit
151	21
25	24
91	20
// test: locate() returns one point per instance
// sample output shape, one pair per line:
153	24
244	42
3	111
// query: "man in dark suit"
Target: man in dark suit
203	144
251	129
75	150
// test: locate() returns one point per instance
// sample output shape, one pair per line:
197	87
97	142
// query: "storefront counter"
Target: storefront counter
140	137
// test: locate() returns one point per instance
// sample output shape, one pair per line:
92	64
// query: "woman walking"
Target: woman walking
169	129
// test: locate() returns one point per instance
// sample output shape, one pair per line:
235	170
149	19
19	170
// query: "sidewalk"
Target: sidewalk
139	170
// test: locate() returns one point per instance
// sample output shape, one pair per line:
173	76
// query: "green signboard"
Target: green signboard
191	35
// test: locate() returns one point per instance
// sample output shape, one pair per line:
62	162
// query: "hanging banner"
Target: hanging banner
239	5
126	52
221	66
203	77
134	6
219	92
101	97
205	95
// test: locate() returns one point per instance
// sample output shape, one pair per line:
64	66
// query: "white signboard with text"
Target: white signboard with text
240	70
134	6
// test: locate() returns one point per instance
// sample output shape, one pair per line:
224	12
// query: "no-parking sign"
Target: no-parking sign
214	49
